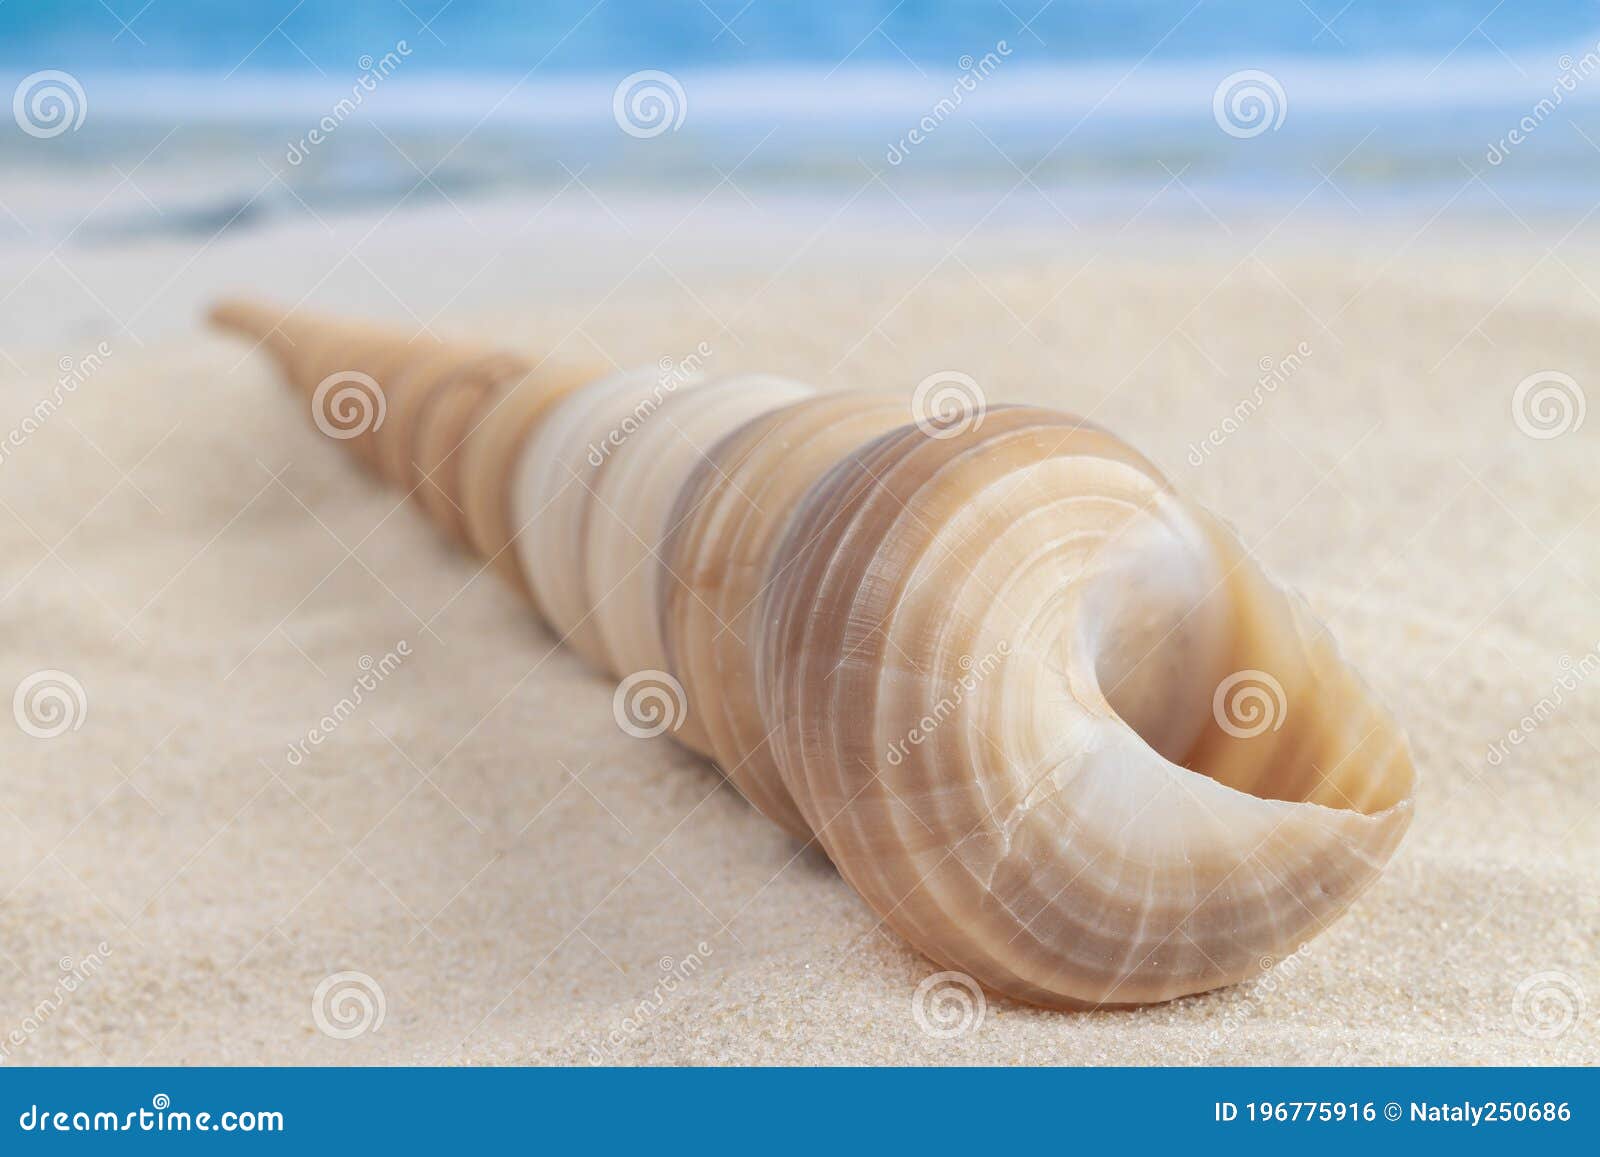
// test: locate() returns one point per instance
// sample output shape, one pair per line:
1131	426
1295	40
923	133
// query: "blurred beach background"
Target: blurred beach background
1047	118
1330	263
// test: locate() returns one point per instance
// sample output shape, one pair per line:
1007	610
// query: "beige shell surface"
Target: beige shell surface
339	352
726	527
410	391
553	490
632	507
450	412
489	454
1011	674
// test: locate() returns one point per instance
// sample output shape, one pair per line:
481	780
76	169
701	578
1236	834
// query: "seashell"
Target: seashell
1047	717
726	527
553	489
444	418
633	499
491	449
992	662
410	390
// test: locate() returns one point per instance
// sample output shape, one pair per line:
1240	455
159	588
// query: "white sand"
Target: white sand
511	869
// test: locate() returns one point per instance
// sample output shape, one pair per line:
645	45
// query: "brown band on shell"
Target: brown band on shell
446	417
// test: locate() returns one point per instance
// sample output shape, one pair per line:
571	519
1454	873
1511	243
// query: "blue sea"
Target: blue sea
473	37
1390	106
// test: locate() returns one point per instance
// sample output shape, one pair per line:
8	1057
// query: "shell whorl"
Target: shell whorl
953	626
1051	720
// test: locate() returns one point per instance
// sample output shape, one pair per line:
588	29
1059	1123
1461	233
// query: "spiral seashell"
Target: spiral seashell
1047	717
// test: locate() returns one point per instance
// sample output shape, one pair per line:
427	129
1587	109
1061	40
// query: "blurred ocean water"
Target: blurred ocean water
476	36
1369	107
